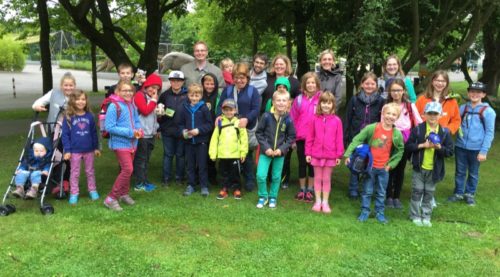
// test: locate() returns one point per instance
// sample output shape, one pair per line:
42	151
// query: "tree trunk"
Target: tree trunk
300	34
464	69
255	41
288	39
45	56
491	62
93	57
149	58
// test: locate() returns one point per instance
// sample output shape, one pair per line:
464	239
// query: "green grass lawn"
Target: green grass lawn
167	234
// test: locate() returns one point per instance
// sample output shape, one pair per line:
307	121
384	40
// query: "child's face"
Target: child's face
369	86
228	112
326	107
280	104
392	67
126	92
432	118
476	96
439	83
126	74
397	92
209	85
229	67
67	86
194	98
176	84
281	88
311	86
39	150
152	90
389	116
81	103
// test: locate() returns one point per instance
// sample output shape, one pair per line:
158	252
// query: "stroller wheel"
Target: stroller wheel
4	211
11	208
47	209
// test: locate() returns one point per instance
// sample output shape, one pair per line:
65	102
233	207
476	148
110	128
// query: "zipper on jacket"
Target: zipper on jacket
276	133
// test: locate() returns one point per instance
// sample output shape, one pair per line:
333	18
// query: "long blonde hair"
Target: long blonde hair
71	110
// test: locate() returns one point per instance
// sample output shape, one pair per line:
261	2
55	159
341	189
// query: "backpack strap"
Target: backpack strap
410	113
480	113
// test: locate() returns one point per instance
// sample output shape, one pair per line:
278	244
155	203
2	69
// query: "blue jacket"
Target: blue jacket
474	135
197	116
79	134
168	125
30	162
121	129
248	103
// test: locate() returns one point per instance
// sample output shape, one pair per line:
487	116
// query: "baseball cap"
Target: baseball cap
229	103
433	107
176	74
477	86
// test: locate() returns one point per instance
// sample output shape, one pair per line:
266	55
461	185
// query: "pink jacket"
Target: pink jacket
302	113
325	138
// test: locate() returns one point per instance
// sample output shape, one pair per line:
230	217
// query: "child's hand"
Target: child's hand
67	156
481	157
294	145
217	120
243	122
97	153
40	109
277	153
347	161
426	144
242	159
269	152
387	168
308	159
138	133
17	171
337	161
46	173
437	146
194	132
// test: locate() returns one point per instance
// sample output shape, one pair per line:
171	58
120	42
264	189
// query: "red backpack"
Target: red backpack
102	114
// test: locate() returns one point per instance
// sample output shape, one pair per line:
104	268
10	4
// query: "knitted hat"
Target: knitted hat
152	80
282	81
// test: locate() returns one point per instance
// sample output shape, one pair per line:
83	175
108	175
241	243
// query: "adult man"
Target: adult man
194	70
258	74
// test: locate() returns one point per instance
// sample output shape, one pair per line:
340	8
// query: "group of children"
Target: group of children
198	131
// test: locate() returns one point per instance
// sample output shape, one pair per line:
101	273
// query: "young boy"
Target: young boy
275	134
473	142
196	124
229	143
169	105
429	144
125	73
145	100
211	98
386	147
227	65
35	164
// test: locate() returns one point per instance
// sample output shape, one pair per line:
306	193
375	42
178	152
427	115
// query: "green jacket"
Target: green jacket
366	135
228	140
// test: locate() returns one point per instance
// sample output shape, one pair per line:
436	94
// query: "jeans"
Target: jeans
23	175
197	155
354	184
76	160
376	182
466	160
173	146
141	160
122	183
422	193
262	170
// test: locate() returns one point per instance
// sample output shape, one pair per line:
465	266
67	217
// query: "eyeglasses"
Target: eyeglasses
240	78
439	81
397	90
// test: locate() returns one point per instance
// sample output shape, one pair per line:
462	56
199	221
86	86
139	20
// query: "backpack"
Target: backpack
361	160
480	113
219	124
102	115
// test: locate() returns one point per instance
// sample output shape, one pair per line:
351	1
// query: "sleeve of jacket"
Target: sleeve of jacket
42	101
359	139
208	124
111	123
411	90
260	133
254	104
243	141
93	133
289	138
141	102
339	96
181	121
66	135
214	143
339	140
310	137
447	146
399	149
455	118
421	105
137	121
412	144
489	125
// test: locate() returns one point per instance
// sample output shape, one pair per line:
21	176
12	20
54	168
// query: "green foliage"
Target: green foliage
79	65
11	54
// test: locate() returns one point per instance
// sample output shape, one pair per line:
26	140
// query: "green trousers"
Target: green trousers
263	169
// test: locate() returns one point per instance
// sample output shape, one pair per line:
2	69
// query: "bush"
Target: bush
78	65
11	54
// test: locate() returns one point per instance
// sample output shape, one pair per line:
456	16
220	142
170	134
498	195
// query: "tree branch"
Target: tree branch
164	7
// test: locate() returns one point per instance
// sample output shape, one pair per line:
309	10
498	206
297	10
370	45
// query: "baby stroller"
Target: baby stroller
39	129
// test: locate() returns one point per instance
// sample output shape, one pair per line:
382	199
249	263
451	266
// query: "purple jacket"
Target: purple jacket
325	138
302	113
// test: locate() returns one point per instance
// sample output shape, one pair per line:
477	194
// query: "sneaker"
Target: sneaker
326	208
300	195
139	187
127	200
94	195
418	222
32	193
434	204
308	197
272	203
389	203
381	218
455	198
189	190
363	216
426	223
284	185
262	202
149	187
112	204
19	192
397	203
469	199
73	199
222	194
237	194
317	207
204	192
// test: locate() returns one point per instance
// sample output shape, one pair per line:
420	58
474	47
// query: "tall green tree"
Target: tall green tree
491	63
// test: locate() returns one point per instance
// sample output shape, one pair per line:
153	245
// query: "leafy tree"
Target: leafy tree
491	63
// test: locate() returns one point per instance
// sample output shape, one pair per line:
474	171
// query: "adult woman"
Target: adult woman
392	70
247	100
330	76
437	90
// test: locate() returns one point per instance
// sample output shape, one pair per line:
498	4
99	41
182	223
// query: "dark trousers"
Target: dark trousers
285	172
212	170
230	173
197	155
396	178
141	160
301	155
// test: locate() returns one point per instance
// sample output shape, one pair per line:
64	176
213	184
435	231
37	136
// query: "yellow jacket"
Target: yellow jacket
228	140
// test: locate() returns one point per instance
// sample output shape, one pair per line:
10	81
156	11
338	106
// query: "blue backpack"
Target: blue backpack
361	160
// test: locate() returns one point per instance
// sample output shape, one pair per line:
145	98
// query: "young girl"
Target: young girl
391	71
362	109
211	97
324	148
408	119
124	127
302	113
79	137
